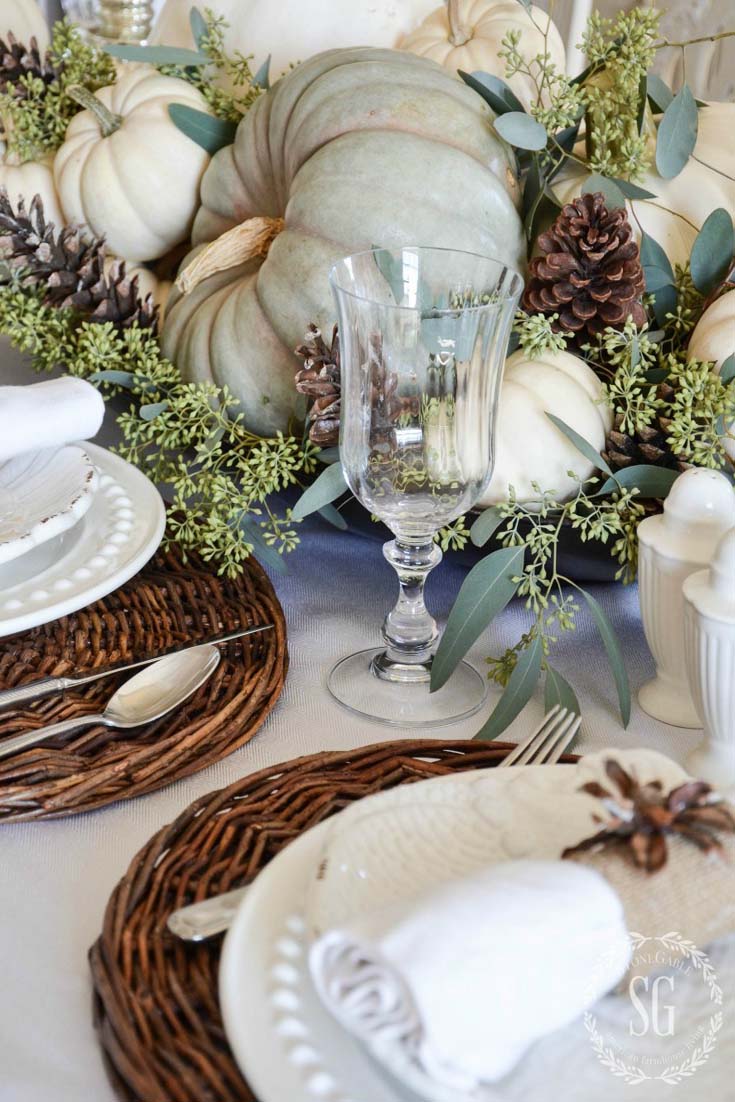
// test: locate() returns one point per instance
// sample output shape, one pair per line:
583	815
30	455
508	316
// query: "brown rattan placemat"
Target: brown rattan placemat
169	604
155	999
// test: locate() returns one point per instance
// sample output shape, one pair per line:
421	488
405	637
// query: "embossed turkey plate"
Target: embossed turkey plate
384	848
42	494
114	539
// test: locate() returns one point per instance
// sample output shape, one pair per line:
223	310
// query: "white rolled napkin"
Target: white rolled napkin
470	974
48	415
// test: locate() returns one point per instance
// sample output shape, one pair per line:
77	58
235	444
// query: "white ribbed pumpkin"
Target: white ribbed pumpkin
529	447
25	19
354	148
682	204
468	35
138	186
714	339
294	32
33	178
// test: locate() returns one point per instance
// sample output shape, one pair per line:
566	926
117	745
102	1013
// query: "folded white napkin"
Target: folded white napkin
48	415
467	976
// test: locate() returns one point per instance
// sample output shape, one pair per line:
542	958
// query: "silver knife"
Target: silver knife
35	689
200	921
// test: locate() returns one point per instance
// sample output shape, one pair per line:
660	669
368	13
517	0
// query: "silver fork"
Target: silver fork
548	742
201	921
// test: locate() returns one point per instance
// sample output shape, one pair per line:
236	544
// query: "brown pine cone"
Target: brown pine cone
18	60
590	272
320	379
69	268
649	445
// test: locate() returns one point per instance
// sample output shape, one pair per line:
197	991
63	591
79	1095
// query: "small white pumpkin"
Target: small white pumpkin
125	170
33	178
293	32
714	339
529	447
683	203
468	35
26	20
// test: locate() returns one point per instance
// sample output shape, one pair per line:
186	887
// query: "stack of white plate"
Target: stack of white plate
75	523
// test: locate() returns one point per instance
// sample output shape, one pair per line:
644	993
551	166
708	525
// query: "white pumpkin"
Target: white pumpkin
468	35
714	339
293	32
529	447
33	178
126	172
682	204
26	20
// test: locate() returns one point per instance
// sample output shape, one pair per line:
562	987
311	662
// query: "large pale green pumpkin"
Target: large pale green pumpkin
354	148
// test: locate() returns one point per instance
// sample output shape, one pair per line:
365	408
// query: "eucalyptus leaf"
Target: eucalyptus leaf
656	278
559	692
658	91
329	455
580	443
664	303
520	130
650	481
485	526
198	25
518	692
609	188
485	592
262	78
329	486
333	517
712	251
264	552
210	133
614	654
677	134
727	371
642	104
116	378
159	55
151	410
653	256
496	93
632	191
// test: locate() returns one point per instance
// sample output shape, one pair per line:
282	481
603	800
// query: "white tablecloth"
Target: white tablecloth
56	877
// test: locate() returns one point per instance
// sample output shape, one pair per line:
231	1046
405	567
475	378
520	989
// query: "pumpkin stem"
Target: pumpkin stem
108	120
459	35
236	246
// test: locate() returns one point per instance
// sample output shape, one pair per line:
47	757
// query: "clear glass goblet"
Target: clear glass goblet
424	334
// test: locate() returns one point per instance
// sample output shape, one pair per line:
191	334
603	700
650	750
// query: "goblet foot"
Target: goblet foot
359	683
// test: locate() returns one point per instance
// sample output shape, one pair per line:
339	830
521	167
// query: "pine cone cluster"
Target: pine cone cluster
70	269
648	445
320	380
18	61
590	272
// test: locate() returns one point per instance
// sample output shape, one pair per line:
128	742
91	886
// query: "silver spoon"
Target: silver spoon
143	699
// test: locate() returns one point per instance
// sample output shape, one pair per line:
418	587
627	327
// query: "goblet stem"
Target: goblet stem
410	632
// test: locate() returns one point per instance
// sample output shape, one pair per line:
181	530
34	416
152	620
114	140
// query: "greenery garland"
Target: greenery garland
223	479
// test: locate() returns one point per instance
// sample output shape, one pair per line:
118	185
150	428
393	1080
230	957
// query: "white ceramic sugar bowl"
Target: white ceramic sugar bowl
709	618
698	511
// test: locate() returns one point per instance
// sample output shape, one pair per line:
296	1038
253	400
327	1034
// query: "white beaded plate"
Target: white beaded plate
291	1050
112	542
41	495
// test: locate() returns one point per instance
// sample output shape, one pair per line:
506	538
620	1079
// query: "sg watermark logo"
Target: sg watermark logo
653	1040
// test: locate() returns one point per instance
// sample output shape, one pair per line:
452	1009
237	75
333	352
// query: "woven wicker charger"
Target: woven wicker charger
168	605
155	998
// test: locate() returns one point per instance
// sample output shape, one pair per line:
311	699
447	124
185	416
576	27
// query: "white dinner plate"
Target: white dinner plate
288	1046
42	494
112	542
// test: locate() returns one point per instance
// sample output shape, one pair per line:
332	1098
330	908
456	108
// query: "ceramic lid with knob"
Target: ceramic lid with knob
699	509
712	592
